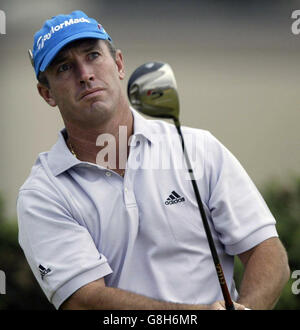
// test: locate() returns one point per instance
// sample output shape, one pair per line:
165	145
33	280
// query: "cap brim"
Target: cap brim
83	35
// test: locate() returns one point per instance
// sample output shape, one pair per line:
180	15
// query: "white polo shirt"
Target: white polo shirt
79	222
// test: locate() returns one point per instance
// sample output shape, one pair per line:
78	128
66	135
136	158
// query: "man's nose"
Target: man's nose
85	73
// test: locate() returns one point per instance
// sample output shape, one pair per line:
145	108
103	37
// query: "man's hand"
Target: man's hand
220	305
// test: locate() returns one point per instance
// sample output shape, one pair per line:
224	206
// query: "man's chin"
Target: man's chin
98	106
101	111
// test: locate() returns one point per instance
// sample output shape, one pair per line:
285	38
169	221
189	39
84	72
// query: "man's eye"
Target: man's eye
93	55
63	67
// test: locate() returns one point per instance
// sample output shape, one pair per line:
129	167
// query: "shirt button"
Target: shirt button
126	190
107	173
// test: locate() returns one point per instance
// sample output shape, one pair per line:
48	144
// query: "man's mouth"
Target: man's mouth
90	93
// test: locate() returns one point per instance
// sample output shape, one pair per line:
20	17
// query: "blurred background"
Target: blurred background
238	74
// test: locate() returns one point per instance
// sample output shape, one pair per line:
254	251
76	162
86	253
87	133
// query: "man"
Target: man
100	237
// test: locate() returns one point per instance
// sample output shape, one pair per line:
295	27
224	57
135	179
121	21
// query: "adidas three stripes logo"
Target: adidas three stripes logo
174	198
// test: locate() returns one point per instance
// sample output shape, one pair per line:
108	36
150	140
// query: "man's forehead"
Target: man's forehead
81	44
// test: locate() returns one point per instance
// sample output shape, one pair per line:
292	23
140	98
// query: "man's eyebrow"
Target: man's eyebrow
59	59
88	48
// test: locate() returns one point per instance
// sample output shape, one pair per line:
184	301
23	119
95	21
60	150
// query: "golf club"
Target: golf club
152	90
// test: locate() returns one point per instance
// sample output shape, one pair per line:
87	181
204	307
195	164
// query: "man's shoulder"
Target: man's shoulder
38	178
164	127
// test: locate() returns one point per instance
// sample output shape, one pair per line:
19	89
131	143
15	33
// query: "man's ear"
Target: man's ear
120	64
46	94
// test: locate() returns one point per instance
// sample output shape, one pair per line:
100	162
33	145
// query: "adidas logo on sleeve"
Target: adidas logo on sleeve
44	271
174	198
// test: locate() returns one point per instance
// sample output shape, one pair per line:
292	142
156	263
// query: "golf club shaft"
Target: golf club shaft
228	302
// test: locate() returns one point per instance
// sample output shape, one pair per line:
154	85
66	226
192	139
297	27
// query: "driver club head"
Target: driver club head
152	90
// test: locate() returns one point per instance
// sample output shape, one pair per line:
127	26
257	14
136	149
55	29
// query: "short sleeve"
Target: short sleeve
239	213
61	253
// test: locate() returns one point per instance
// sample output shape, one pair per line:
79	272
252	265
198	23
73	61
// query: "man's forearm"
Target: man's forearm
114	298
97	296
265	275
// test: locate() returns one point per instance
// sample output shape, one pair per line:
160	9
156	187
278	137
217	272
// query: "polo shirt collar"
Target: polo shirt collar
142	126
60	159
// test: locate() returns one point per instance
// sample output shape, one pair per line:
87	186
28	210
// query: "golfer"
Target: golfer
111	232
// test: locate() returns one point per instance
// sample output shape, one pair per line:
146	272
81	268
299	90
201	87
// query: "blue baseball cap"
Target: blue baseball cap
60	30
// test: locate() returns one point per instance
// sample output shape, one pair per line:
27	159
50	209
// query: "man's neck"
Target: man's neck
87	144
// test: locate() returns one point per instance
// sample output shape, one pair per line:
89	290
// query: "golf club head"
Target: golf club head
152	90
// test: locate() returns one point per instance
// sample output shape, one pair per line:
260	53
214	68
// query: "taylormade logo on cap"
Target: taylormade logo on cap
41	41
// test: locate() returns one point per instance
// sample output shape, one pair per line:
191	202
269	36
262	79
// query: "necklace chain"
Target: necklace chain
122	173
71	149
